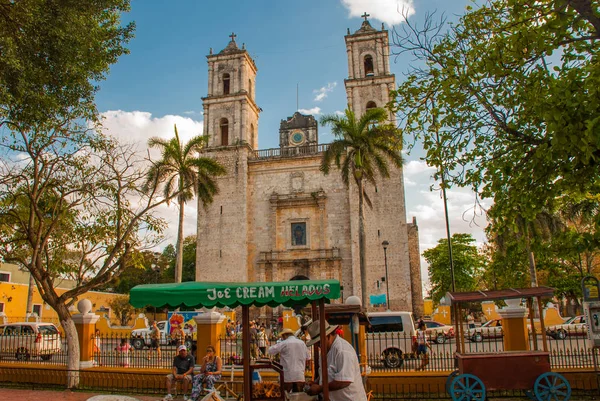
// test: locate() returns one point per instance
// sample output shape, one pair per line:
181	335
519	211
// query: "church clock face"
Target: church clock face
297	137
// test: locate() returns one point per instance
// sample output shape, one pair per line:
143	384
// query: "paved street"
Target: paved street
37	395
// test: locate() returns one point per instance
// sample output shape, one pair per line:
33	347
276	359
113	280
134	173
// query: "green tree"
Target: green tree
188	260
362	150
54	53
181	170
79	221
469	265
122	309
513	88
71	183
141	267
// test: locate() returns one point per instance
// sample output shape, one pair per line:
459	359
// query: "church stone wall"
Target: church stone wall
297	181
222	228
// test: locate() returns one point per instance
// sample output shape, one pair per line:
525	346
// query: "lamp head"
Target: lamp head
385	244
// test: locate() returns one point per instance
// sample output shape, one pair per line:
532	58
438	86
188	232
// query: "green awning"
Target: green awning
201	294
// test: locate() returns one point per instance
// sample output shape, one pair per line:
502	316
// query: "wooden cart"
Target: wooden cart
510	370
218	294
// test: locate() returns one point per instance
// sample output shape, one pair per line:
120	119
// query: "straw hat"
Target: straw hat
314	330
286	331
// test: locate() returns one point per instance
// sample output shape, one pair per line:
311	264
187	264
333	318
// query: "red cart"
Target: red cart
509	370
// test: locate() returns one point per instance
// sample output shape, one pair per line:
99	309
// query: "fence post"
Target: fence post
85	322
210	330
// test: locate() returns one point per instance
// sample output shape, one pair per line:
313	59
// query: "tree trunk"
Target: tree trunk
179	248
532	269
72	345
362	245
29	308
531	257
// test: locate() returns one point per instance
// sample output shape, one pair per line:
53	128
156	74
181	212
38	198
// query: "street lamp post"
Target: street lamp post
156	270
387	281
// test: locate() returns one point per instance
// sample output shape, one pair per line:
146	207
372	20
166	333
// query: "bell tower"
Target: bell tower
230	110
369	79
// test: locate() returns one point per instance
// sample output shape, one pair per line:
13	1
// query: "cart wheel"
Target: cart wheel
552	386
467	387
449	380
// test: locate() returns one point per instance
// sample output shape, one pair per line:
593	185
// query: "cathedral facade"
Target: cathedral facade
277	217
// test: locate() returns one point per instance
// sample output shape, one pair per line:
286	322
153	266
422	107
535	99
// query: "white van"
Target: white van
390	336
25	340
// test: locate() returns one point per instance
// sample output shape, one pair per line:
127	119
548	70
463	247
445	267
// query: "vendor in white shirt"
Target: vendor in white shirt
292	356
343	373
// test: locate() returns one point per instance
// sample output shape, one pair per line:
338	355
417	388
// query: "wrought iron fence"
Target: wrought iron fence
32	343
231	349
385	351
128	351
397	351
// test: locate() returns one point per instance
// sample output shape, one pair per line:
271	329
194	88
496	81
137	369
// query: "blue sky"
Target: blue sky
294	44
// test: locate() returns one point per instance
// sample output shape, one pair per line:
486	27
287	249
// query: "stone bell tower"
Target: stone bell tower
368	86
231	123
230	111
369	79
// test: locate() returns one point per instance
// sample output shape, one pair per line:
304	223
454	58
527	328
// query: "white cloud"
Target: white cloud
322	92
313	111
193	113
339	113
392	12
416	167
136	127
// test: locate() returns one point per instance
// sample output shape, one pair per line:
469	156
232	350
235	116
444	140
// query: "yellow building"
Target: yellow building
14	286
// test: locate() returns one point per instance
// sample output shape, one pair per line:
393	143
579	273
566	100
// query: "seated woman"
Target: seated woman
210	373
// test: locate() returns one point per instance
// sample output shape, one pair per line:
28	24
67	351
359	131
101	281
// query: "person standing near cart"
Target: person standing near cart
293	355
345	380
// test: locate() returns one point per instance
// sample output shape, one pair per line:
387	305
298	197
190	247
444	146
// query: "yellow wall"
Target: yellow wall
14	298
442	314
427	307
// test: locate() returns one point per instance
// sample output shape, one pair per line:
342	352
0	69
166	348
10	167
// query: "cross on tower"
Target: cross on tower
365	15
233	36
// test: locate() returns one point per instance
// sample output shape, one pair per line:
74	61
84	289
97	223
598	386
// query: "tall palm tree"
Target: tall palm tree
362	150
180	171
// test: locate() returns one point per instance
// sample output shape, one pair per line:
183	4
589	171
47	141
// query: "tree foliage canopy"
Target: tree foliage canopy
54	52
514	90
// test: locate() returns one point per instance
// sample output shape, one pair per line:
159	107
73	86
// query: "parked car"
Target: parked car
490	329
140	338
574	326
390	336
438	332
25	340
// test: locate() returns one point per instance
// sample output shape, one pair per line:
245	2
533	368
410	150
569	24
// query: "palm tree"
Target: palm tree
182	172
361	149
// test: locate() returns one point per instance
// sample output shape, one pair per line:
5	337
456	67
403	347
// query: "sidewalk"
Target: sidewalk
10	394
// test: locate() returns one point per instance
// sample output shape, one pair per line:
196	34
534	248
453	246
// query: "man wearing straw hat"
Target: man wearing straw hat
292	355
345	381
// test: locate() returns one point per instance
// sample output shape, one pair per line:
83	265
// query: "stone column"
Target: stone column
514	326
210	332
85	322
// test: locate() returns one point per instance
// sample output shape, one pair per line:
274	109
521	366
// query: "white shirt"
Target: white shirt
292	355
343	366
